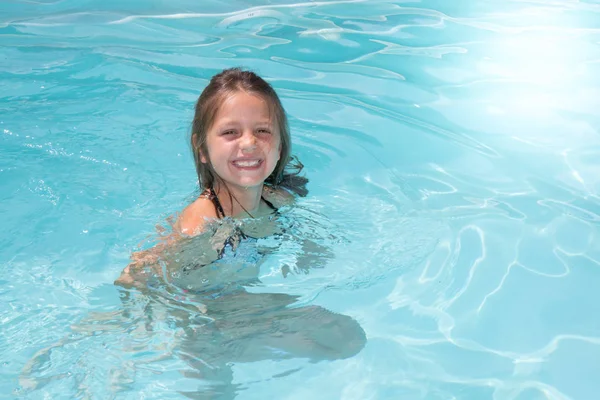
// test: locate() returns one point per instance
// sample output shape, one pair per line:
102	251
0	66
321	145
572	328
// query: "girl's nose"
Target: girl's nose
248	142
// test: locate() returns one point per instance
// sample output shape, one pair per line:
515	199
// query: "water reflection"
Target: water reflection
207	319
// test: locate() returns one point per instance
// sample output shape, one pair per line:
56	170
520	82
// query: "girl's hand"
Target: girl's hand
133	275
143	258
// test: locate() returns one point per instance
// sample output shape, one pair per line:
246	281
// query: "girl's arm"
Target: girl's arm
191	222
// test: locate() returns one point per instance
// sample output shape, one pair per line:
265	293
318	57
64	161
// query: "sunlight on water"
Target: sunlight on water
448	248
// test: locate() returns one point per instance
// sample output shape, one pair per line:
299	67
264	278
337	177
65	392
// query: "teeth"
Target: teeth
252	163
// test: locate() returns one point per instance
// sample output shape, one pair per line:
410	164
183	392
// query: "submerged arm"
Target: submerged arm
147	263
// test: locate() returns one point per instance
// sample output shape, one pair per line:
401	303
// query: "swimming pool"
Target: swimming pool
453	156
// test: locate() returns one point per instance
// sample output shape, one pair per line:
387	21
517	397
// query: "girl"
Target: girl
242	150
241	146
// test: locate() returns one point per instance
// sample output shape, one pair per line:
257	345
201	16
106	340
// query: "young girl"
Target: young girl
241	146
242	150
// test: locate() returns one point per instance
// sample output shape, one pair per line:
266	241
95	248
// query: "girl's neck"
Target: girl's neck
238	201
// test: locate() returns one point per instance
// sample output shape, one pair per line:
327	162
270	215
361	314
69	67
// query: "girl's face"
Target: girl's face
244	142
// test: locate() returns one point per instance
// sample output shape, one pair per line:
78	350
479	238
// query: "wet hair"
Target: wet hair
220	87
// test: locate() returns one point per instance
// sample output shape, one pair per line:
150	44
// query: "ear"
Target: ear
203	159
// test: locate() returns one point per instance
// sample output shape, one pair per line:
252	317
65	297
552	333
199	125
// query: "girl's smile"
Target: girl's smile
247	163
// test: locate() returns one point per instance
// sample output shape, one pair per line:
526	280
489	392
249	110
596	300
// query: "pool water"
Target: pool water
448	249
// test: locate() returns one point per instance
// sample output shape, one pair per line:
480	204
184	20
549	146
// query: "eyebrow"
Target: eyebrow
231	123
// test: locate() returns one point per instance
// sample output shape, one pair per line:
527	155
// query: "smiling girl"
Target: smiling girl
242	151
241	140
193	283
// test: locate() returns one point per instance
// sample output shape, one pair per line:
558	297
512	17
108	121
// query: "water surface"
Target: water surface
452	150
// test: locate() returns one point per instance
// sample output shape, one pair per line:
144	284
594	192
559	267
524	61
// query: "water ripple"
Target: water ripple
452	150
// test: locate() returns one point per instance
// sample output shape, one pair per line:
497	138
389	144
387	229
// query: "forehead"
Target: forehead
241	104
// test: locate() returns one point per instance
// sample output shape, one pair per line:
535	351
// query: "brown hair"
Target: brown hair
222	85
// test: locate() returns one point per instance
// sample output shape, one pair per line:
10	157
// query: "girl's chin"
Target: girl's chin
248	178
246	182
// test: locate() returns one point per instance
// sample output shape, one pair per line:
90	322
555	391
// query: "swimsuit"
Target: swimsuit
237	260
237	236
238	233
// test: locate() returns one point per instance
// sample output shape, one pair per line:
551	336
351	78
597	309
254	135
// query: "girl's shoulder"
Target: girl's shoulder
277	196
195	216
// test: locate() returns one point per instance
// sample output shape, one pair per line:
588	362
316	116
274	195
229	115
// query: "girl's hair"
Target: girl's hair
220	87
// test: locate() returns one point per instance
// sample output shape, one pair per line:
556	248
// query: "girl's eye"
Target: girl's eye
264	130
229	132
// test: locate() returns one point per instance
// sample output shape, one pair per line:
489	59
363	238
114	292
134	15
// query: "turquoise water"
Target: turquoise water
454	162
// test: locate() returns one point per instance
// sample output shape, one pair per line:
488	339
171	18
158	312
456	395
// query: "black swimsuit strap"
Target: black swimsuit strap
269	203
212	196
